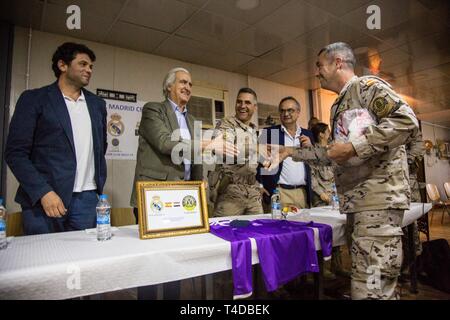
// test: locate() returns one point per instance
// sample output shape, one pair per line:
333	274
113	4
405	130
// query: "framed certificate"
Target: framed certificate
171	208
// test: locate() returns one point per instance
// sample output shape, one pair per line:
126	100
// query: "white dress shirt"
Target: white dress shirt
184	133
293	172
84	145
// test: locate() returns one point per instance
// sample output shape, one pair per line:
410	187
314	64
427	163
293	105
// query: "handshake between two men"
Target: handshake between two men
271	155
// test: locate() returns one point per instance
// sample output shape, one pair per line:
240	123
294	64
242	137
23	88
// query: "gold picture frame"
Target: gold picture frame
171	208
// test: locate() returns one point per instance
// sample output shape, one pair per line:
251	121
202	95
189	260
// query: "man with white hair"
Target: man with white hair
165	129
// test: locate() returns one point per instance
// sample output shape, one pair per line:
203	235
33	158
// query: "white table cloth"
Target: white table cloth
49	266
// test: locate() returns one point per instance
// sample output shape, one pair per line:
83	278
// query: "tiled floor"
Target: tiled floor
303	288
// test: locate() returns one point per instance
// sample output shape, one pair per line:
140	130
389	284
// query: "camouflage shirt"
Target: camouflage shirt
322	179
378	179
415	151
241	169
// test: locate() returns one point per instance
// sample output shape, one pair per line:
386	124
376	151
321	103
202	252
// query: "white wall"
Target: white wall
437	171
323	100
131	71
271	93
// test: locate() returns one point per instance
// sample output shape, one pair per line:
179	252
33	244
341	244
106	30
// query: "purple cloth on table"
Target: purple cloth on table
285	249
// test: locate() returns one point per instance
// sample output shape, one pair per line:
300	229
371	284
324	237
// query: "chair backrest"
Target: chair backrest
447	189
433	192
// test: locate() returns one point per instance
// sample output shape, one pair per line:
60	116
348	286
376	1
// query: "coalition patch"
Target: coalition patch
189	203
382	107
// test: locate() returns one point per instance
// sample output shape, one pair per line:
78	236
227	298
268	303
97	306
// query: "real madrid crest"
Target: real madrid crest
115	126
156	204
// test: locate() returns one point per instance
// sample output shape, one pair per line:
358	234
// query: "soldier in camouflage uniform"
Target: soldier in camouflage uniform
322	177
370	126
238	191
415	151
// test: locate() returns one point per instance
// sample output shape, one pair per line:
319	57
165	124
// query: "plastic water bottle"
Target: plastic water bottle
334	198
276	204
103	218
3	241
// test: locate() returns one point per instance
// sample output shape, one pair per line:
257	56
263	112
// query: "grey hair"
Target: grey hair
170	79
343	50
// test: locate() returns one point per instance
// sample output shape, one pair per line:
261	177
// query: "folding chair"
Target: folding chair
447	190
435	197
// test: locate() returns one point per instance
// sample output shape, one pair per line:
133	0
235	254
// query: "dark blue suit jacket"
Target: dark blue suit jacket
270	181
40	150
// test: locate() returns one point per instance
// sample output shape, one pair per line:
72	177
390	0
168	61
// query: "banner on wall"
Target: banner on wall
122	125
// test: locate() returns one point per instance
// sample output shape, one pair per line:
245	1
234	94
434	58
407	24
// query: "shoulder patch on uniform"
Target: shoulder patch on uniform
382	106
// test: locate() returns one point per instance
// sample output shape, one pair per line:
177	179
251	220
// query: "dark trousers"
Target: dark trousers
80	215
171	289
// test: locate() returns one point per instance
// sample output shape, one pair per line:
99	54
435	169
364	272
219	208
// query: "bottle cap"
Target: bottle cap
103	196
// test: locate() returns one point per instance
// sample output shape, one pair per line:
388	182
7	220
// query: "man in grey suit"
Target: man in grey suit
161	124
165	127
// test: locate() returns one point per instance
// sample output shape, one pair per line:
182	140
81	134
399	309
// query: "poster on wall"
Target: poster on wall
122	125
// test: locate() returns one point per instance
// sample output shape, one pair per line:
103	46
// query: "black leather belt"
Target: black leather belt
290	187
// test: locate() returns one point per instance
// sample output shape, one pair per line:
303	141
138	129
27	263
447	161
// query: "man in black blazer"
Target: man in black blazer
293	179
56	147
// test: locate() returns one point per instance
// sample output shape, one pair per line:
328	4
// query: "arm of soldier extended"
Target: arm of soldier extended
313	155
397	123
415	151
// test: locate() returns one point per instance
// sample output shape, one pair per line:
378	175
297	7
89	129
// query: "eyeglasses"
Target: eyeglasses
288	111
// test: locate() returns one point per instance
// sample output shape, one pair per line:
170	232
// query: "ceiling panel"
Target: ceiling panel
163	15
195	3
332	31
92	26
211	28
437	44
134	37
337	7
255	42
311	83
289	54
393	13
229	8
294	74
199	53
102	8
413	29
439	8
386	58
444	68
13	12
278	40
292	20
260	68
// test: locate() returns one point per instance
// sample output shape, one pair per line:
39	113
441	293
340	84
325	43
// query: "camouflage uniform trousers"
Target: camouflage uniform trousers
239	199
376	251
293	198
